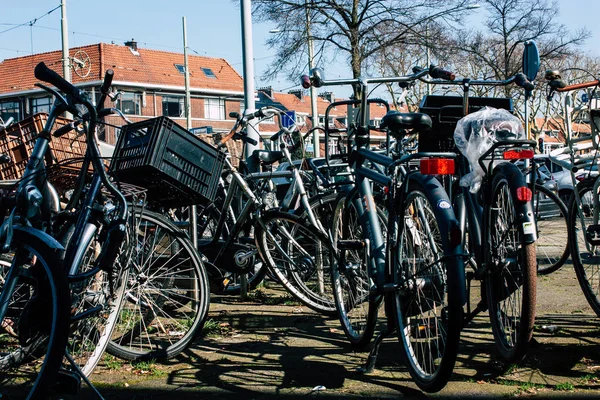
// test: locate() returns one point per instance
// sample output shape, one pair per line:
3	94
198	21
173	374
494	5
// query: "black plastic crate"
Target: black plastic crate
175	166
445	111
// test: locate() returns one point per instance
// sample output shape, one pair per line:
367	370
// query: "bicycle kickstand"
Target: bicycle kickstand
372	359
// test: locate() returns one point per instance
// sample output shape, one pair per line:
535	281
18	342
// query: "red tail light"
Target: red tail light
437	166
524	194
518	154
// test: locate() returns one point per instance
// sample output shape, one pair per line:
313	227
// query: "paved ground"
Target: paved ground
257	350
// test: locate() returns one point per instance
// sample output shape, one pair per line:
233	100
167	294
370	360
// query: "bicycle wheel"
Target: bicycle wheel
166	297
95	302
428	312
298	254
35	327
585	253
350	278
552	230
511	282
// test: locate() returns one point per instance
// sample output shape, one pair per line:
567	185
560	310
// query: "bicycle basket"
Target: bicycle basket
175	166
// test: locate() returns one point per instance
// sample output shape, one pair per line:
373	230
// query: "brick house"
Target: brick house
151	82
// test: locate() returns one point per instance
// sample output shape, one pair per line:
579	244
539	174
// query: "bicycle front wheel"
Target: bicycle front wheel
350	275
586	251
511	282
298	254
552	230
428	311
35	327
166	296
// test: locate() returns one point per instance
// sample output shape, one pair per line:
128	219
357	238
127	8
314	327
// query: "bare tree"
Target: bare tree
356	30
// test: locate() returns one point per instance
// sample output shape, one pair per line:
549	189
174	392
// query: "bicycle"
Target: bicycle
494	207
417	267
581	153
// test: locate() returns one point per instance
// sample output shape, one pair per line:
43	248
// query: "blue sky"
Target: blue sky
213	27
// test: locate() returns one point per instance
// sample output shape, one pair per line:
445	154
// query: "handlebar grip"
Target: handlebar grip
416	70
108	77
276	136
43	73
557	84
522	81
440	73
63	130
249	140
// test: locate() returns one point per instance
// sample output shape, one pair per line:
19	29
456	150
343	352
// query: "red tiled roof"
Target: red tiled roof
150	66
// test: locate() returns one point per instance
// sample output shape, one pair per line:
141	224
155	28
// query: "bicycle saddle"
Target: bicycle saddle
396	121
268	157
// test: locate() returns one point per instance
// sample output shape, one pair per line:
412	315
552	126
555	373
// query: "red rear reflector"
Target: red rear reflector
437	166
518	154
524	194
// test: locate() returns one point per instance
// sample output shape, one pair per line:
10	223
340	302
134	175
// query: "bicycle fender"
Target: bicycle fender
524	210
41	236
450	232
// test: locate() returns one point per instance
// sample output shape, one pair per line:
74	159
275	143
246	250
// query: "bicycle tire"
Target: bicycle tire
167	294
298	254
551	218
511	282
31	356
357	313
90	335
586	267
428	311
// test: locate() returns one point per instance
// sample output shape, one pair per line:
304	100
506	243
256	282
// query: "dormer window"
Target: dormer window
209	73
180	68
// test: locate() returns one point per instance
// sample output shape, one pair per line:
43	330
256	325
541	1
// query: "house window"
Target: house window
10	109
209	74
322	121
173	107
130	103
375	122
214	108
300	119
41	104
180	68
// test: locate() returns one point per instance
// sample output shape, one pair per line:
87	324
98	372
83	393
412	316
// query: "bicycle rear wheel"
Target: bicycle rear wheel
298	254
511	283
350	278
35	327
552	230
428	311
585	254
167	294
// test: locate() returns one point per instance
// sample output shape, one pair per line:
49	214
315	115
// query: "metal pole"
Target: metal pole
427	54
188	114
65	41
248	60
313	93
188	118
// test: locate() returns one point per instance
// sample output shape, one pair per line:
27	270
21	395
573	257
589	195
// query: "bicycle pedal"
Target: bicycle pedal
350	244
592	234
67	382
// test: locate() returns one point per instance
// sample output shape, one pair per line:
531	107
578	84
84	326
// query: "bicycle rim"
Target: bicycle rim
428	319
510	285
357	311
166	297
552	230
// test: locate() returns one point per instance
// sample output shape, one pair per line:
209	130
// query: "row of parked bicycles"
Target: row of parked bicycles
122	255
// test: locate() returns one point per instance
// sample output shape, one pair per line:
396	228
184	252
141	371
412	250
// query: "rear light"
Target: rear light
580	178
437	166
524	194
518	154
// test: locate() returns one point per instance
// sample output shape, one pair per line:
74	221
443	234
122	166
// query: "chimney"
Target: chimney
299	93
132	44
329	96
268	90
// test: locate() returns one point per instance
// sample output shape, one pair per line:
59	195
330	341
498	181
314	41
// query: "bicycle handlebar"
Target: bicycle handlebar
43	73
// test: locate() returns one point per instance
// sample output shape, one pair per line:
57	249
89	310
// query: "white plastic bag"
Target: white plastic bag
477	132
